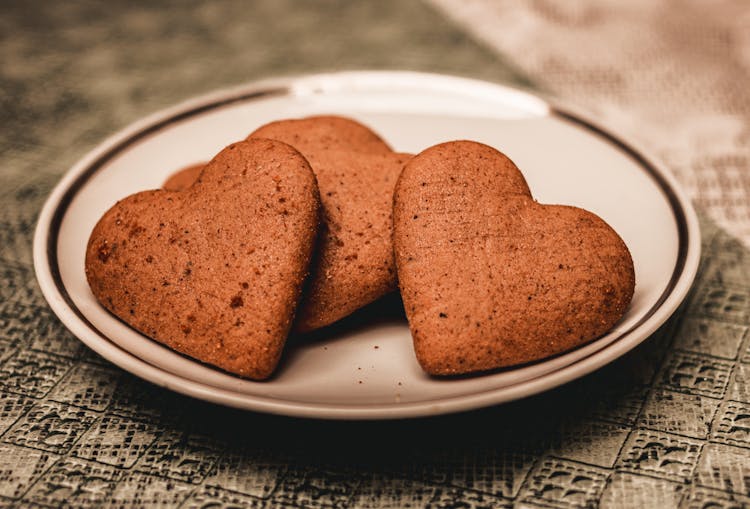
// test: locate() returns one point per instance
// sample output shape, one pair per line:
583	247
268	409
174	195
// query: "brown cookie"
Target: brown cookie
324	133
356	173
184	178
215	271
491	278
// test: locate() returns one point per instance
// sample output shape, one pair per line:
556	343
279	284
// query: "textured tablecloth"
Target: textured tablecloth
668	425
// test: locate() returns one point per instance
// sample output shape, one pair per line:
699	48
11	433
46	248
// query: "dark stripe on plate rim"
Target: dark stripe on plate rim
95	166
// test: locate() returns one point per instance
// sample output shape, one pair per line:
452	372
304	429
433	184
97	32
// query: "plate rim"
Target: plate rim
52	213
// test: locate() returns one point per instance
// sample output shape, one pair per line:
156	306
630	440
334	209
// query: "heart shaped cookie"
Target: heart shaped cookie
215	271
324	133
491	278
356	173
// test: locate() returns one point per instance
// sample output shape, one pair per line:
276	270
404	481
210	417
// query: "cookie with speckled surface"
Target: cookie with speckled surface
356	172
215	271
328	133
184	178
491	278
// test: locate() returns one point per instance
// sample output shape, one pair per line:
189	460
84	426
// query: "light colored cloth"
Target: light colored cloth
674	76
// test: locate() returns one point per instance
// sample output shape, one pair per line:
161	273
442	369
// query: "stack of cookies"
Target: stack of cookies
308	220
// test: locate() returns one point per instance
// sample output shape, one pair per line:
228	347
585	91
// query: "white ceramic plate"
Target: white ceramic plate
369	371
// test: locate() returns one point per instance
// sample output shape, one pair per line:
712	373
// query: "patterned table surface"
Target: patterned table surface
668	425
